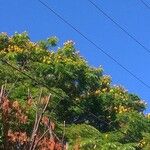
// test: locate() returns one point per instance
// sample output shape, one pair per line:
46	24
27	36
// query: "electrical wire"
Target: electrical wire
144	3
94	44
40	83
119	26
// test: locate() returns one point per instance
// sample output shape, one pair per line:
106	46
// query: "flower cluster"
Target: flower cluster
142	143
69	43
17	137
121	109
15	118
13	48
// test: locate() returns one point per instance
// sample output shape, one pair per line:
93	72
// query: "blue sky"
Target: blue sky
40	23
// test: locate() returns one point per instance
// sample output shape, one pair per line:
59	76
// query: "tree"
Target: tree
15	125
81	94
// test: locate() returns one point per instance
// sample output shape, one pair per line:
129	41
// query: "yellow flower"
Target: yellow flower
97	92
104	90
111	90
115	108
48	61
106	135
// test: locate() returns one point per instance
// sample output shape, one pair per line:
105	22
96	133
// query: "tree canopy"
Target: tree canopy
97	114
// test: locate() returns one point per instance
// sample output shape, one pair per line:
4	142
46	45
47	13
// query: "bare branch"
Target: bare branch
64	126
37	122
40	139
1	93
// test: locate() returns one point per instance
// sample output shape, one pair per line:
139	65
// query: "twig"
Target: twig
36	125
63	135
1	93
50	130
40	139
12	86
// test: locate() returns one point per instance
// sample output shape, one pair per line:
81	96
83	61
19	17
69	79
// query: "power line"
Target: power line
144	3
93	43
119	26
43	84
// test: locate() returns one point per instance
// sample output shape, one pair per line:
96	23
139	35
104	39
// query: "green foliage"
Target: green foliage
4	40
84	135
133	125
78	91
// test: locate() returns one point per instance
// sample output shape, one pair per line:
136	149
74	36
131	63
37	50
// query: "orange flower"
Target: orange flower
15	105
23	119
44	100
23	137
45	120
5	105
29	102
